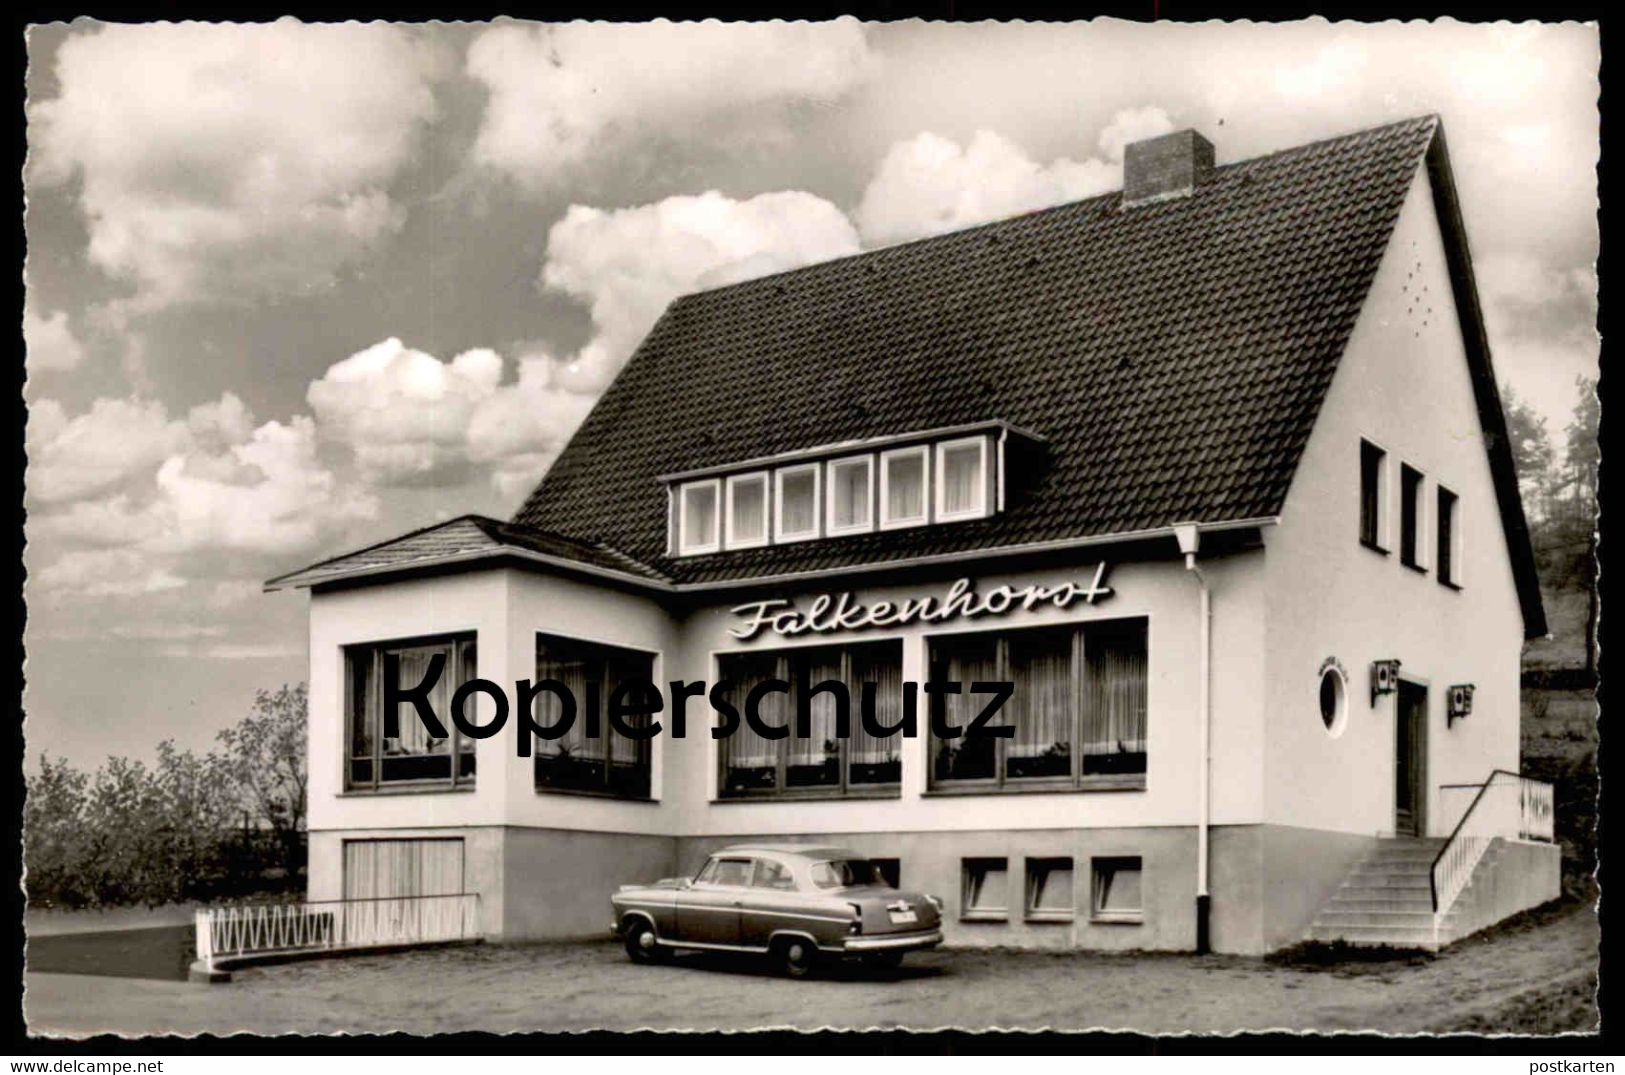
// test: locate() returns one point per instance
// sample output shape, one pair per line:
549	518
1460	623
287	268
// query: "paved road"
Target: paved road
1538	978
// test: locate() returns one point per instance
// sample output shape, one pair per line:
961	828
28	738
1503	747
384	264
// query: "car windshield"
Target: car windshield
843	873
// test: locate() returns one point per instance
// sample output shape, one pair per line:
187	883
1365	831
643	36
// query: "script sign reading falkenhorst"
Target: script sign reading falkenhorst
832	612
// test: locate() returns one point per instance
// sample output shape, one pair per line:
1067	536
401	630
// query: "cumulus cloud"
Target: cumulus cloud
128	499
410	419
628	264
232	161
562	96
50	341
928	184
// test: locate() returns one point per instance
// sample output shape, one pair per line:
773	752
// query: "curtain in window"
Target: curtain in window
816	666
799	510
964	661
960	478
1115	691
568	665
1041	708
745	749
364	685
625	668
378	869
851	491
700	514
881	665
905	487
412	665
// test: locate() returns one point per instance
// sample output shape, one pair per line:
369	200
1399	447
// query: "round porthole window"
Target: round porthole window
1334	700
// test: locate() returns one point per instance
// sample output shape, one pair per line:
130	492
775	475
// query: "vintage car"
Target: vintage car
797	904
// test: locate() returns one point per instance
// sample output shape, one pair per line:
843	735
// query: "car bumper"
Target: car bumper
894	942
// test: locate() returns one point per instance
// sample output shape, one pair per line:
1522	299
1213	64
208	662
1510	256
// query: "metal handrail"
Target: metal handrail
261	930
1433	882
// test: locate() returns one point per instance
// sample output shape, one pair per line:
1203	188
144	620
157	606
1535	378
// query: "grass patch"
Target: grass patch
1345	958
161	952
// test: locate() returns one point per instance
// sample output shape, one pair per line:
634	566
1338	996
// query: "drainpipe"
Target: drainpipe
1190	539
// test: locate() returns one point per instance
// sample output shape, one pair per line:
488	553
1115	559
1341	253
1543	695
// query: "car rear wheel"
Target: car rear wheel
797	957
641	946
883	960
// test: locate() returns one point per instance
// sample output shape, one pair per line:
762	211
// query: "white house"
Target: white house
1212	470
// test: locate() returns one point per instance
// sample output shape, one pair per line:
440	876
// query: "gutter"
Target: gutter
1190	540
663	586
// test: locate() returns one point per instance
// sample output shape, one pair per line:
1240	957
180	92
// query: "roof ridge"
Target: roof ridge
1303	147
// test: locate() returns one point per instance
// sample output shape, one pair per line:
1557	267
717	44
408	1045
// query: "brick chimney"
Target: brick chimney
1168	166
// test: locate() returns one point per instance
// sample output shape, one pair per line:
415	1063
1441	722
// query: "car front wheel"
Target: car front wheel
797	957
640	943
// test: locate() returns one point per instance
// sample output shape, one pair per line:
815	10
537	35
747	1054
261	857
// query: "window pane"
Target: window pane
1410	492
816	759
1117	886
985	884
362	689
905	486
608	761
1371	490
773	875
1050	886
872	760
963	660
799	502
731	872
962	479
1446	559
1114	715
1041	707
750	510
749	761
850	488
699	514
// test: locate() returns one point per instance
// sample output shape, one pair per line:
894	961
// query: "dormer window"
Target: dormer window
699	517
747	510
851	495
904	475
964	485
795	512
919	478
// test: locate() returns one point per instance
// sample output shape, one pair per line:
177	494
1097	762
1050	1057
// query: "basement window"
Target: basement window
983	897
1049	890
1117	890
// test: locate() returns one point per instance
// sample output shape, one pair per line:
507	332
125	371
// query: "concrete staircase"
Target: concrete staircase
1387	900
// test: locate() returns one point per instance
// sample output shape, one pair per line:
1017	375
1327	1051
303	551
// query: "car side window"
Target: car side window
771	874
734	873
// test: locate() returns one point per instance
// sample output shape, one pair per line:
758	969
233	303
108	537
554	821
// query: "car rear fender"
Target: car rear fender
780	936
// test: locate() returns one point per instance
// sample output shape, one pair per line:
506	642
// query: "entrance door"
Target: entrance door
1410	759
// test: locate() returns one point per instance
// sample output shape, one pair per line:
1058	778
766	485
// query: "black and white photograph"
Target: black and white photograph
537	527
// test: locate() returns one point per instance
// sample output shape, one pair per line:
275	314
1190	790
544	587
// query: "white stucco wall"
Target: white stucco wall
1404	384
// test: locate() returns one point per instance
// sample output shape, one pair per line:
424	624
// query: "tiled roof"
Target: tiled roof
469	537
1174	356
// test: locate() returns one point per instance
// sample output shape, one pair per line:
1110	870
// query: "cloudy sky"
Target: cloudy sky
296	288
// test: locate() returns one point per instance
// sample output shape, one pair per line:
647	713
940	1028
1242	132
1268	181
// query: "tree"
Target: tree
1581	455
54	833
265	758
1532	454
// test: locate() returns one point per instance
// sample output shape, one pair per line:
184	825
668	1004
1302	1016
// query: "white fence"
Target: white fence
335	925
1506	806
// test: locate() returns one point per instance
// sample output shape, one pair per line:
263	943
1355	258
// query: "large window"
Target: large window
412	757
1410	516
823	763
387	869
1078	706
1373	496
796	505
608	763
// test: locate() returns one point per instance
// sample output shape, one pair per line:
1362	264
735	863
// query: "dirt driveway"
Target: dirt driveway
1533	975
